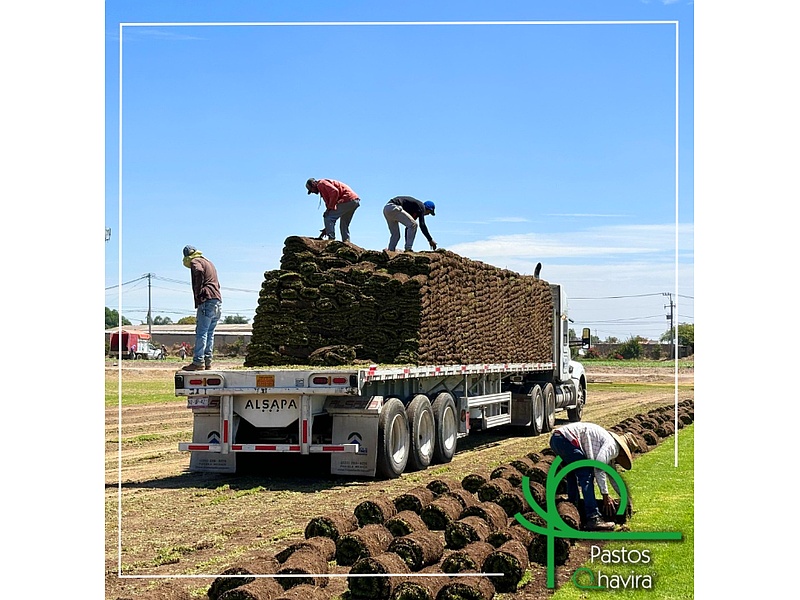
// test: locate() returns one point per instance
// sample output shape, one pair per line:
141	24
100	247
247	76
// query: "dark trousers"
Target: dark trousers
582	478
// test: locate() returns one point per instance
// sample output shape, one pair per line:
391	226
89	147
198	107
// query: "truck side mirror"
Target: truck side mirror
586	337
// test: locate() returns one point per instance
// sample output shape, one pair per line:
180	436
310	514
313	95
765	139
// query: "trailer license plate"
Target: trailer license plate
264	381
198	402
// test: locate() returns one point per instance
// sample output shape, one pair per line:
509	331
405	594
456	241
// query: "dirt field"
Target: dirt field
176	523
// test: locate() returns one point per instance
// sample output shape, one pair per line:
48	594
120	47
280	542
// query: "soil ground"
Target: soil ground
177	523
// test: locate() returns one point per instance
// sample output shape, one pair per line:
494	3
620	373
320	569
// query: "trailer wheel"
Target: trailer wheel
422	432
537	411
549	399
393	439
446	419
575	414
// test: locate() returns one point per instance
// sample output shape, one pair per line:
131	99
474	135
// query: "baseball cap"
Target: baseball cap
187	250
431	207
311	181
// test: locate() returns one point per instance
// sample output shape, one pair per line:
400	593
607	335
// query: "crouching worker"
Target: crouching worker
581	441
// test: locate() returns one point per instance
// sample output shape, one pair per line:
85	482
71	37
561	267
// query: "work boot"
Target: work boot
597	524
208	365
192	367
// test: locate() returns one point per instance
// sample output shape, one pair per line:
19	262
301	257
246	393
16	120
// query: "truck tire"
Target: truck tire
575	414
422	432
537	411
549	399
446	419
393	439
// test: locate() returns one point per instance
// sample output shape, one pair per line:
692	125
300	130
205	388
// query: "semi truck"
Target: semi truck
379	420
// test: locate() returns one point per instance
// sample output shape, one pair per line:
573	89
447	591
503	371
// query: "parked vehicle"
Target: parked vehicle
133	345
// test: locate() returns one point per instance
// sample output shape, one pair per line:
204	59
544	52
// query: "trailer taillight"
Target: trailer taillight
331	380
340	380
320	381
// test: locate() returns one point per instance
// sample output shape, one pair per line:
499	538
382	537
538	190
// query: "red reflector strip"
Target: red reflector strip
294	448
225	431
333	448
198	447
305	431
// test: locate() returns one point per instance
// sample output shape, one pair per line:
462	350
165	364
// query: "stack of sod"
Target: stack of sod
308	564
415	499
420	588
380	584
469	558
468	588
370	540
405	522
331	303
510	559
419	549
331	526
259	565
374	511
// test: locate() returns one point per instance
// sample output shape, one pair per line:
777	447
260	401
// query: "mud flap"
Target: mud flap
355	421
207	431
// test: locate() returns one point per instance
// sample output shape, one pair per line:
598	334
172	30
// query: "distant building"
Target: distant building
172	335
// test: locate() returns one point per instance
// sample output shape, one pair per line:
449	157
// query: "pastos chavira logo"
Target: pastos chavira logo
556	527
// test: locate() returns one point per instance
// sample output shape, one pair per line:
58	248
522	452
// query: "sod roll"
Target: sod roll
370	540
332	526
419	549
262	588
510	559
383	570
374	510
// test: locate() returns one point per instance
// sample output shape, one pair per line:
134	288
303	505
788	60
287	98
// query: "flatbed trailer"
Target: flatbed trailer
373	421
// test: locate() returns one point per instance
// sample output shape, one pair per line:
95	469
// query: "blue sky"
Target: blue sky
544	131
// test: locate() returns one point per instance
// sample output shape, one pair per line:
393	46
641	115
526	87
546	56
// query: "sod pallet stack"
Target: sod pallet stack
333	303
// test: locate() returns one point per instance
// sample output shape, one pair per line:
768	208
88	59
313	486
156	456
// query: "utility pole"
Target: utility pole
149	304
108	233
673	346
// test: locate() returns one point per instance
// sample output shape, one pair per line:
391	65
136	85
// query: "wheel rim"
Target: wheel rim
397	439
449	433
426	432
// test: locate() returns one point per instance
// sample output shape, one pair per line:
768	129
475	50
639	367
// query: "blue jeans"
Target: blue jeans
208	314
582	478
342	213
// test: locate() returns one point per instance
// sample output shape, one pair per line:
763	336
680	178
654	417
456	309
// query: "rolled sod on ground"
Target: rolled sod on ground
415	499
493	489
419	549
473	482
510	559
464	497
381	584
304	592
537	550
307	564
469	558
514	502
534	456
465	531
259	565
374	511
332	526
514	531
324	545
539	492
331	303
523	465
468	588
442	511
405	522
538	472
570	513
508	473
491	512
370	540
421	588
262	588
442	486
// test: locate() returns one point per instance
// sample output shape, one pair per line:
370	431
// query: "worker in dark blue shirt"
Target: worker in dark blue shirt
411	213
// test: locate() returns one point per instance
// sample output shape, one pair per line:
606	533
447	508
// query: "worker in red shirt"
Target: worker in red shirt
340	204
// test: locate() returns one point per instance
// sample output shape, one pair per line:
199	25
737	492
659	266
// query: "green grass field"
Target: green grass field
141	392
663	500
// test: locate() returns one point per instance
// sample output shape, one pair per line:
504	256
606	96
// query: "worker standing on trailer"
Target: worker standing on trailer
208	302
582	441
411	213
340	204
